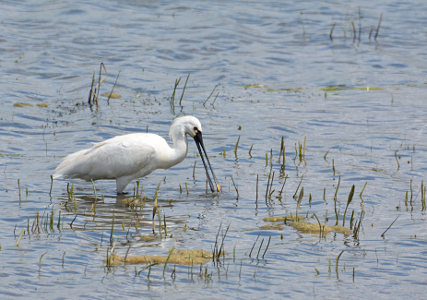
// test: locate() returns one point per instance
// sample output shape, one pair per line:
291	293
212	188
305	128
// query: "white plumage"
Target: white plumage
134	155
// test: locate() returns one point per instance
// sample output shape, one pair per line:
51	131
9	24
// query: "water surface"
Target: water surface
359	103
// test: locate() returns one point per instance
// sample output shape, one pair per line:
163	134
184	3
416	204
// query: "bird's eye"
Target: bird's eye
196	129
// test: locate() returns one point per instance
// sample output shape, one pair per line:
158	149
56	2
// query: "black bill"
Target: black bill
200	146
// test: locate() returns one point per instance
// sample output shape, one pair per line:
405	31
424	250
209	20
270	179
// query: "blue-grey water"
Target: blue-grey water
356	97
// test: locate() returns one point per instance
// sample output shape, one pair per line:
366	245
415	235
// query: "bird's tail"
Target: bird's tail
65	167
57	175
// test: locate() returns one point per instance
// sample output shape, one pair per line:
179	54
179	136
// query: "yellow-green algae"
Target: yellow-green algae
306	227
147	238
272	227
176	256
112	95
343	87
22	104
329	88
133	202
271	90
254	85
3	154
283	219
299	224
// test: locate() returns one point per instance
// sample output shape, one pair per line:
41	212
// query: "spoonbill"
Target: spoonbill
136	155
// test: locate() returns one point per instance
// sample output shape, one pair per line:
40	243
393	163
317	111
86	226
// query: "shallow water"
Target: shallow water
359	103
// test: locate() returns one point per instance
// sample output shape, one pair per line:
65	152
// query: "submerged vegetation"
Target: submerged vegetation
329	88
175	256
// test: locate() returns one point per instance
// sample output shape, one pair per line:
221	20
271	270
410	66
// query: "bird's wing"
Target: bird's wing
113	158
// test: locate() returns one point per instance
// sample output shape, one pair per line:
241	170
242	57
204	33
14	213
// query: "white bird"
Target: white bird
136	155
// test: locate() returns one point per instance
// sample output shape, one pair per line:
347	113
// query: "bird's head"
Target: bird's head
188	125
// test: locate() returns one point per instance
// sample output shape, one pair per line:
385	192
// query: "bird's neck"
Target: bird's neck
179	149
